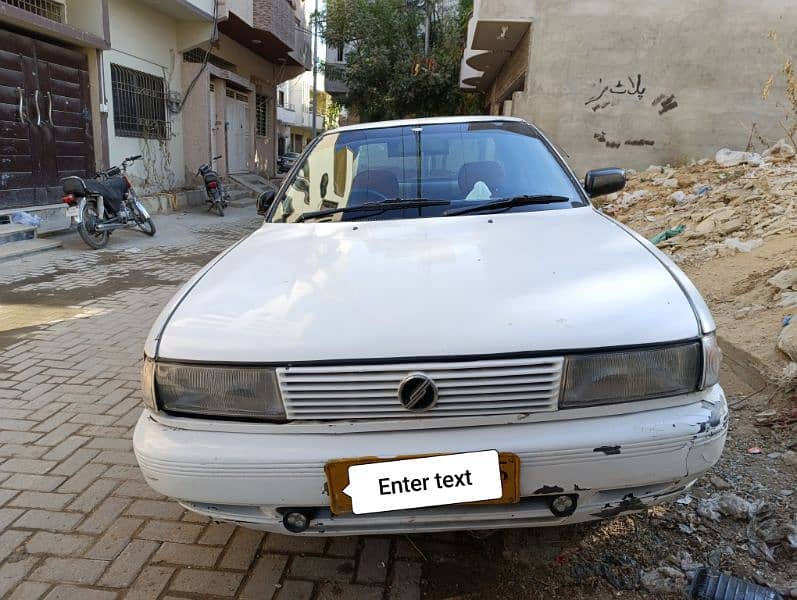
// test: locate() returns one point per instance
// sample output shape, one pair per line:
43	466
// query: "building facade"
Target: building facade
295	112
625	83
85	83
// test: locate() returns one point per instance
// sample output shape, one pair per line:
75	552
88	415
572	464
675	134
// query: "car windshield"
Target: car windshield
434	168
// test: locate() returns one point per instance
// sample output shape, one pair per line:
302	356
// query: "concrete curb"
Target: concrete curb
171	202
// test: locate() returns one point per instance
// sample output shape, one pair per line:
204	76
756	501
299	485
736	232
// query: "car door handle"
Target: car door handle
38	110
21	93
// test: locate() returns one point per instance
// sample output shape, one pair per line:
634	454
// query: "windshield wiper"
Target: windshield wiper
504	203
382	205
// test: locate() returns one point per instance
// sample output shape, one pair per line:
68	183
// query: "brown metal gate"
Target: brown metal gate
45	119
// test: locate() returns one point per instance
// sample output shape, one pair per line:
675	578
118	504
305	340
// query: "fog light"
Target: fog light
563	506
296	522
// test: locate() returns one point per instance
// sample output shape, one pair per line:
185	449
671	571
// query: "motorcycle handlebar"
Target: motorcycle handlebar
217	157
132	158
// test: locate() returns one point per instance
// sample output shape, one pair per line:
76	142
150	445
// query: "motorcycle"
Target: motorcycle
108	202
217	196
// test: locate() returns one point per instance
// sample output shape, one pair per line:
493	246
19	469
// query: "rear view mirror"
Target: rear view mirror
264	200
600	182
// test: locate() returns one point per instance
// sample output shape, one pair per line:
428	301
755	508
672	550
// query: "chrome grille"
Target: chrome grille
487	387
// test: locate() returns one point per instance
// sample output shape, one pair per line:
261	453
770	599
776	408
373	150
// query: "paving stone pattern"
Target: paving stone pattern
77	519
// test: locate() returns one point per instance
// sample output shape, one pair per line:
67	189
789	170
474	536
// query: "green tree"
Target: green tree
388	73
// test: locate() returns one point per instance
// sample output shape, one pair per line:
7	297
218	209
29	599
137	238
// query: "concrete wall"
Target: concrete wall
86	15
691	74
198	121
146	40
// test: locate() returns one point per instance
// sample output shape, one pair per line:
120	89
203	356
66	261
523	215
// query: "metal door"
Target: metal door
45	119
236	114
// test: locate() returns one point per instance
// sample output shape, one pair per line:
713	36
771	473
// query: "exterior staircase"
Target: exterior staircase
245	188
18	240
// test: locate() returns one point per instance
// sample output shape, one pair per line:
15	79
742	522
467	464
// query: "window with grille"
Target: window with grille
49	9
139	104
261	115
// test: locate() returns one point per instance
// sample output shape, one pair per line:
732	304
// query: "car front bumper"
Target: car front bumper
613	464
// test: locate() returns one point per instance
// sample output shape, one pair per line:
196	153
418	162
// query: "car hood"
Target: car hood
542	281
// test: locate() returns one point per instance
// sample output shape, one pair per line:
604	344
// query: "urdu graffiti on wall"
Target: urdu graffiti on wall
607	96
634	89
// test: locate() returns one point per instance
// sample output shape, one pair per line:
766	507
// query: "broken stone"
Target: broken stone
789	376
664	580
627	200
781	149
732	158
790	458
670	183
786	279
719	483
730	226
706	226
788	299
787	340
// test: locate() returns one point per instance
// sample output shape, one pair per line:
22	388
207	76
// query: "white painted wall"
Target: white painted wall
145	39
86	15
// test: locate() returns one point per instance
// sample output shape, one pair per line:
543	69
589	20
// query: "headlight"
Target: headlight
612	377
240	392
712	359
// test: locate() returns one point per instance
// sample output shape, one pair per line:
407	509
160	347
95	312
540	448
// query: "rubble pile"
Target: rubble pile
727	205
740	207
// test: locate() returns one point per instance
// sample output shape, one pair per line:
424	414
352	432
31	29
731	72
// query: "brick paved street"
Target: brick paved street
76	518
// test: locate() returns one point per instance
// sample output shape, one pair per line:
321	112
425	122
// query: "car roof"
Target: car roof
426	121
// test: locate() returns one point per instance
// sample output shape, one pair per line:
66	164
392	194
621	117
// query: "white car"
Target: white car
432	330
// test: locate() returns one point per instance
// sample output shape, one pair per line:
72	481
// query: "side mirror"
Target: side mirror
600	182
264	200
301	184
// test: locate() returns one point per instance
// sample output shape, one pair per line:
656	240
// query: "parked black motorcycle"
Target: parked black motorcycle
218	198
99	206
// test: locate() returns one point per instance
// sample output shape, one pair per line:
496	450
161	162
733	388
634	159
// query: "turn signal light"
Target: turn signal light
69	199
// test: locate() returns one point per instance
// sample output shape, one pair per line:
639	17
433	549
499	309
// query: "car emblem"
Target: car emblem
417	392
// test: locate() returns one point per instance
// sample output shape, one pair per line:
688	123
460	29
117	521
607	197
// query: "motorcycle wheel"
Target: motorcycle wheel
147	226
95	239
220	208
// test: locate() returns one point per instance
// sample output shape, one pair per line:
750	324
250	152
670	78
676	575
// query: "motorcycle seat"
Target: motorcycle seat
112	189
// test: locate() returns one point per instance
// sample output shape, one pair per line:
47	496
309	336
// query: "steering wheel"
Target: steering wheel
363	196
